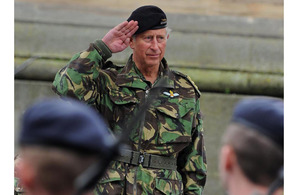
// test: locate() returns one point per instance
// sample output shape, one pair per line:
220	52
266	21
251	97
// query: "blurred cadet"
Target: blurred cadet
251	158
18	187
166	153
59	141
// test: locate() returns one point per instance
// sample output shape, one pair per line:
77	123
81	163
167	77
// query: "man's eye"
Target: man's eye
161	39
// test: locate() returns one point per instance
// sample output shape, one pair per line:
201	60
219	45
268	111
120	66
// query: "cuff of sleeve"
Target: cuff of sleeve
103	50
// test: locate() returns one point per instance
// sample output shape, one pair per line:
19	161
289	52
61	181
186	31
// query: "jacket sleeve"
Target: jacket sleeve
78	78
192	160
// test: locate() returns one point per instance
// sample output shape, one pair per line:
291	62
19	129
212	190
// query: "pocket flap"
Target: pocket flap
174	110
166	186
121	97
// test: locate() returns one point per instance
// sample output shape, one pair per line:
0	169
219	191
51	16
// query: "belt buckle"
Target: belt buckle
141	158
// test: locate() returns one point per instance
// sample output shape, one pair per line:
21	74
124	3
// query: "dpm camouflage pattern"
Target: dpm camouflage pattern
172	126
18	189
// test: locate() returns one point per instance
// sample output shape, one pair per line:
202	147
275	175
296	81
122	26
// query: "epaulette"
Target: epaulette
110	64
189	80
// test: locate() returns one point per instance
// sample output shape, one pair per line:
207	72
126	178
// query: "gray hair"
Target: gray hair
169	30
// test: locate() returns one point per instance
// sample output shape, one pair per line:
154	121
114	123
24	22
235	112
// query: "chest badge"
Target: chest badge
171	94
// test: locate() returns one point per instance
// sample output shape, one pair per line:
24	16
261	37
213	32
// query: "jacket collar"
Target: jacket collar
130	76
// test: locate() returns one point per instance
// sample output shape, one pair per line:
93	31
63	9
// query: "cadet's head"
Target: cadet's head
149	41
58	141
253	142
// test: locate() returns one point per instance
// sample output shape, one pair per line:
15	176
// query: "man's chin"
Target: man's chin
156	63
153	61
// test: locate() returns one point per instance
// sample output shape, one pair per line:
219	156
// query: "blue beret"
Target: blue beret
149	17
65	124
265	115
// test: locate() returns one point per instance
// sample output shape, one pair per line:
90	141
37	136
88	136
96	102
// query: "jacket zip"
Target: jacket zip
139	144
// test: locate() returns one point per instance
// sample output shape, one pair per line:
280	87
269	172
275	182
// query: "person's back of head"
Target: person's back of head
50	170
59	140
254	140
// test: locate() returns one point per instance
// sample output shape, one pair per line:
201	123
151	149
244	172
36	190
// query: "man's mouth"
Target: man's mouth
153	55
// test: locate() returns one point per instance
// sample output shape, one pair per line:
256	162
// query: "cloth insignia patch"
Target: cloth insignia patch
171	94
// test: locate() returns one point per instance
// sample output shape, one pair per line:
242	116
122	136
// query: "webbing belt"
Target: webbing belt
147	160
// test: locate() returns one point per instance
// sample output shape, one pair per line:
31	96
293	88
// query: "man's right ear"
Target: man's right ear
26	175
228	157
131	42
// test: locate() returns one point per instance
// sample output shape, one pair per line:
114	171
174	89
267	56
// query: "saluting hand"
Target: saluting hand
117	39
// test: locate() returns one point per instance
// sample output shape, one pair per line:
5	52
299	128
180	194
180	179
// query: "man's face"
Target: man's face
149	47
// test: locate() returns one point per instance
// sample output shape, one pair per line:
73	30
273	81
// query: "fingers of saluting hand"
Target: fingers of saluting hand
127	28
117	39
132	29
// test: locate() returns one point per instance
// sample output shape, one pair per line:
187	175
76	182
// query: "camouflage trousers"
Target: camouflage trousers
127	179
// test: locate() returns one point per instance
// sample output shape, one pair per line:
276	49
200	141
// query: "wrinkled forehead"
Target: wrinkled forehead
156	32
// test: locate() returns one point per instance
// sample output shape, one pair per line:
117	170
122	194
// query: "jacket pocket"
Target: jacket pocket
168	186
175	122
121	96
113	180
115	172
124	103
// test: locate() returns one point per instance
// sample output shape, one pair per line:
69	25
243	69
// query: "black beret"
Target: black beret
149	17
65	124
263	114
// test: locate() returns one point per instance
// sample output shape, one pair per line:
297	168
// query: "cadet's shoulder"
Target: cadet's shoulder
189	80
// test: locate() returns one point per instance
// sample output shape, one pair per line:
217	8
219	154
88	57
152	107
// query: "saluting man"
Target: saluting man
166	152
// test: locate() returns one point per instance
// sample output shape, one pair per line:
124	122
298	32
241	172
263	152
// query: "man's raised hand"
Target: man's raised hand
117	39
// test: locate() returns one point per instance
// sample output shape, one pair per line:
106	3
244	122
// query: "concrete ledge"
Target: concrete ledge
236	82
206	79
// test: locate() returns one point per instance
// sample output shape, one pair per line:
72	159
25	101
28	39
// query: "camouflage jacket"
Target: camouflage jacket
18	189
172	126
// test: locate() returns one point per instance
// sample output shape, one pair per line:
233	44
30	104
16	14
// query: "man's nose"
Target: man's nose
154	44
